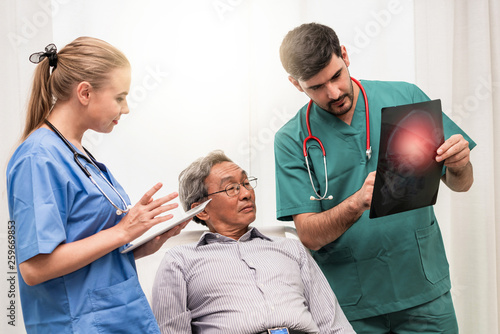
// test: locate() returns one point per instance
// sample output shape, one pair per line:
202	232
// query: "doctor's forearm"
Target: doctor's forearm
67	258
316	230
459	179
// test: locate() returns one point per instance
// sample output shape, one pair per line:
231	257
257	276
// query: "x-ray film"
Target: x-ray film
407	173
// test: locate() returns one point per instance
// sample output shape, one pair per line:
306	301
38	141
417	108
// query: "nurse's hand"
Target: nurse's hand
69	257
146	214
155	244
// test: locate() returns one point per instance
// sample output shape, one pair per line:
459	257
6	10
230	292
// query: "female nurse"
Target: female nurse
69	230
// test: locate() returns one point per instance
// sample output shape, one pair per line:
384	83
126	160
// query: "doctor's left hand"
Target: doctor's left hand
455	152
146	214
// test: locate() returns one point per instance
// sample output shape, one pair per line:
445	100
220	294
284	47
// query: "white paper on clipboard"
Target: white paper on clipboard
164	227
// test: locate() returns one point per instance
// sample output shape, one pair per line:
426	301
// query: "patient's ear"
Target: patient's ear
202	215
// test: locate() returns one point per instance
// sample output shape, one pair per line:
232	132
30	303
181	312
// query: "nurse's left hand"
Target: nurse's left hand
147	213
155	244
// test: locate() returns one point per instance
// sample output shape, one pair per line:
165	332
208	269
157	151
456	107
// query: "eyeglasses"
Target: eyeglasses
233	189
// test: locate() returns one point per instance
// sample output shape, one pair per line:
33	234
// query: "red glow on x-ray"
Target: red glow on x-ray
413	144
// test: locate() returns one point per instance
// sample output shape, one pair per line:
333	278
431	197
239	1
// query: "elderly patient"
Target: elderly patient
235	279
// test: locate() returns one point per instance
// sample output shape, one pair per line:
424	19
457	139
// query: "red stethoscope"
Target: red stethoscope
310	136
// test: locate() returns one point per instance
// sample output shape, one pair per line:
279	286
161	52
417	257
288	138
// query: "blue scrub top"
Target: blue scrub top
377	266
52	202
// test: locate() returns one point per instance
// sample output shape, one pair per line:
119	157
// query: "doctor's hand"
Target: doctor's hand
456	155
146	214
455	152
364	195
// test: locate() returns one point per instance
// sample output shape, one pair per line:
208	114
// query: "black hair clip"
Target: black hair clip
50	52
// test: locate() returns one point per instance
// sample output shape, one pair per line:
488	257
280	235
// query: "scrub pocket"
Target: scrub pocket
122	308
432	253
341	271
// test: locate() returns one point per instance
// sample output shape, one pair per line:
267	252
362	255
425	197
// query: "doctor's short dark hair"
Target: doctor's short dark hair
192	186
307	49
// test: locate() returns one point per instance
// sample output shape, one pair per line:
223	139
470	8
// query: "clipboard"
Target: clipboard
408	175
164	227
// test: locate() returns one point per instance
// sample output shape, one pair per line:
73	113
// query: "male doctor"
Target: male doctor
390	274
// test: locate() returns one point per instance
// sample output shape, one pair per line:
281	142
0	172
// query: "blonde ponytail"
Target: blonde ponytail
40	101
85	59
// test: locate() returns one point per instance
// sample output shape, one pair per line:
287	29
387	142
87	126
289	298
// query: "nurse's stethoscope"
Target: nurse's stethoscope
310	136
77	156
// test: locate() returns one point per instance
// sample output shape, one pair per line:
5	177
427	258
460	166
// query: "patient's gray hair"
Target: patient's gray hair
192	186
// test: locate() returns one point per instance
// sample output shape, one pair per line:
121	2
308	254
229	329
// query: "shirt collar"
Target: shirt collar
210	237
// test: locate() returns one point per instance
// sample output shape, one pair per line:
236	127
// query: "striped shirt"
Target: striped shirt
222	285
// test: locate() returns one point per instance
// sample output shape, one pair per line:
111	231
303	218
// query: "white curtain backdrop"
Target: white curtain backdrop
206	75
457	60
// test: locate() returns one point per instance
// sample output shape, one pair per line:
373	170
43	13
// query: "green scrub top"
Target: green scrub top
380	265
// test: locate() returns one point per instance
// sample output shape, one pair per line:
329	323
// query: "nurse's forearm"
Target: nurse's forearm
67	258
